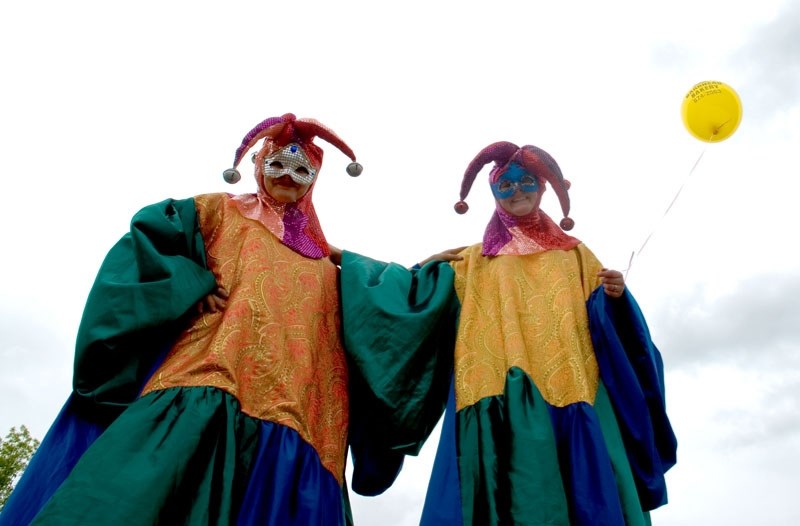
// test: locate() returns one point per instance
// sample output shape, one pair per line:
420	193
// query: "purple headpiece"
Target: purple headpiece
534	160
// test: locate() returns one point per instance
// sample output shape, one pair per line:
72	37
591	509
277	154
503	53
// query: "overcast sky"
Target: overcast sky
106	107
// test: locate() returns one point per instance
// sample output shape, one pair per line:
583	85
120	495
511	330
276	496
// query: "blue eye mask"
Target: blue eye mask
513	178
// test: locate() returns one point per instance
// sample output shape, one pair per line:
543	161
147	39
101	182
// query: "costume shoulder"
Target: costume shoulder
468	257
212	201
145	286
148	281
473	251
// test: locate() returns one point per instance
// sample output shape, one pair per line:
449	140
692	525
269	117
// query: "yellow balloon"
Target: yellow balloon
711	111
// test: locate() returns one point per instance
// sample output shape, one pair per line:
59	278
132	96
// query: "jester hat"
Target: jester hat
507	234
295	224
534	160
279	132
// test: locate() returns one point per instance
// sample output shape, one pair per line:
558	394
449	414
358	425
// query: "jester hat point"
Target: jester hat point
534	160
287	129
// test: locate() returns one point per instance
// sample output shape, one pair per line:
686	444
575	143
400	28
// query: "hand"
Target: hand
336	255
216	301
451	254
613	282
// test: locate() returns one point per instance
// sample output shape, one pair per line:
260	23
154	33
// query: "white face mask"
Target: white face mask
292	161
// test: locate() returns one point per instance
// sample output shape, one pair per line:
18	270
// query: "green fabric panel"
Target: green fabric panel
348	510
524	480
147	282
399	329
178	456
626	487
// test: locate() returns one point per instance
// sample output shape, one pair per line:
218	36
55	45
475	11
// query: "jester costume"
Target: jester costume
236	416
554	392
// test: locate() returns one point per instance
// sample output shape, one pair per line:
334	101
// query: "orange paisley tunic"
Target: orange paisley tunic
277	346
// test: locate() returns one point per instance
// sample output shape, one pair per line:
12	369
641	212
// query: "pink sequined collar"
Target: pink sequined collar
295	224
511	235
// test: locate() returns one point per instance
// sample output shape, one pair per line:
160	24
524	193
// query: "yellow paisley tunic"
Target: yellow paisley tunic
529	312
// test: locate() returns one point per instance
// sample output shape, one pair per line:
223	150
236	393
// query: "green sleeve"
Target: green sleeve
399	333
145	286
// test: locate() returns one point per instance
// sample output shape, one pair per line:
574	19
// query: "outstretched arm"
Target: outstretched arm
451	254
399	335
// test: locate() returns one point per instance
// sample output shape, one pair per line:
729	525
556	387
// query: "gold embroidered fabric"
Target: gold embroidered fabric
530	312
277	346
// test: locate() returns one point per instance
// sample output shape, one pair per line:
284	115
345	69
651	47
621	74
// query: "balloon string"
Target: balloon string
718	128
637	253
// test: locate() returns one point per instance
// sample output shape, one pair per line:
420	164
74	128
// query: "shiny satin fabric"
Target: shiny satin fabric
143	297
532	446
215	466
